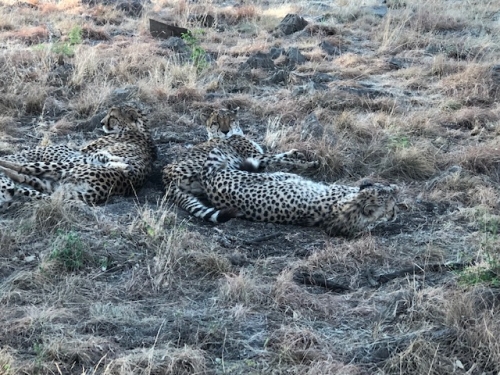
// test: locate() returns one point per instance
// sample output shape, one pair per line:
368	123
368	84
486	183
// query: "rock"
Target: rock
367	92
60	75
91	124
205	20
330	49
162	30
295	57
495	75
291	24
259	60
132	8
53	107
276	52
377	10
311	128
281	76
323	77
176	44
121	95
309	88
395	63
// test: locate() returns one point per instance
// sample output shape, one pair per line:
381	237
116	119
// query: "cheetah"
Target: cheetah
12	194
182	178
291	199
116	164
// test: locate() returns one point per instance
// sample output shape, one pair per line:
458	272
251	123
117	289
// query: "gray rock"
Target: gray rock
292	23
377	10
311	127
60	75
309	88
395	63
495	75
121	95
176	44
91	124
323	77
259	60
276	52
132	8
281	76
330	49
294	56
367	92
53	107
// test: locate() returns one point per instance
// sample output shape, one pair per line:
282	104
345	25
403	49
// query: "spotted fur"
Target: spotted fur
182	178
291	199
116	164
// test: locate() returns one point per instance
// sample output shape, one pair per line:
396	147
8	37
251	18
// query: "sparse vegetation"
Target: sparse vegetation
198	54
68	251
408	94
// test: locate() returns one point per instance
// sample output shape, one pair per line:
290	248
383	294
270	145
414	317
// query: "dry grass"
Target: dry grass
136	286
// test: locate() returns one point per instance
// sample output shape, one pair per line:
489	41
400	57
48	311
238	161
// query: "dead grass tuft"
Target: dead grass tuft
212	264
94	33
169	361
6	360
472	86
483	159
420	355
241	288
415	163
236	14
474	316
425	20
29	35
458	185
84	352
470	118
329	366
53	214
297	345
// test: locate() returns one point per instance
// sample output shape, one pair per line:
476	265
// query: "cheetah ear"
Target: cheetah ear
132	114
206	114
365	184
369	209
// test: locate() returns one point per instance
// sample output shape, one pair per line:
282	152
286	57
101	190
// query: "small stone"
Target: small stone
294	56
292	23
330	49
259	60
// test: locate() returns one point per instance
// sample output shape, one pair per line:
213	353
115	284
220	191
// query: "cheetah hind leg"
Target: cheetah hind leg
291	160
195	207
41	185
51	170
12	195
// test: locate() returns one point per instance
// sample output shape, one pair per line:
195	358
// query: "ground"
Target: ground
405	91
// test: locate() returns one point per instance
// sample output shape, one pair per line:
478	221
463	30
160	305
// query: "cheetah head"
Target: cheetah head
378	202
121	118
223	123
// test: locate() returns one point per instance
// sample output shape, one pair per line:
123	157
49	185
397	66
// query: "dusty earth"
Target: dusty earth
402	91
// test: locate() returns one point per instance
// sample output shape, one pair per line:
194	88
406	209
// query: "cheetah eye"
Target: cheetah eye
111	126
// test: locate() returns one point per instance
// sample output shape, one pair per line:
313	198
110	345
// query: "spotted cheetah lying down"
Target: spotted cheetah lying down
116	164
290	199
182	177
